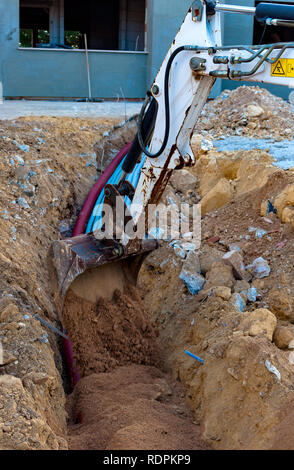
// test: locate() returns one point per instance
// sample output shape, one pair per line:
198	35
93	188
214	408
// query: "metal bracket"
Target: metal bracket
197	64
197	10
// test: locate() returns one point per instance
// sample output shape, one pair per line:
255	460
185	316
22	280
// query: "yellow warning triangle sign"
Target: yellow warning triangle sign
278	69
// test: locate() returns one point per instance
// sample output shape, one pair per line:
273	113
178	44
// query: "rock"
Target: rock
283	337
234	259
241	286
208	256
254	111
38	378
10	314
4	260
260	322
28	189
238	302
282	303
288	215
23	203
192	263
7	359
223	292
183	181
10	381
217	197
193	281
163	388
220	275
206	145
291	358
252	294
258	284
200	145
284	199
259	268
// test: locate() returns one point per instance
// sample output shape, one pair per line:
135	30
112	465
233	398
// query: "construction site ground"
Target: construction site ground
230	301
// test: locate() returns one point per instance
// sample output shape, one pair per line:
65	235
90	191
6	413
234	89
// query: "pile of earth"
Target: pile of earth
250	111
230	300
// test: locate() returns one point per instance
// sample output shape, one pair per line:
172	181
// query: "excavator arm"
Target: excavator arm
184	83
165	125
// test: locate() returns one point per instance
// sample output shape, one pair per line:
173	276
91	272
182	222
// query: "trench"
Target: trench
126	398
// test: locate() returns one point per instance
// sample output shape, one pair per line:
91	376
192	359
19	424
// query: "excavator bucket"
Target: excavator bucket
94	268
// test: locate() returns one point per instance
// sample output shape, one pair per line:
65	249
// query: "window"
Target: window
271	34
108	24
34	26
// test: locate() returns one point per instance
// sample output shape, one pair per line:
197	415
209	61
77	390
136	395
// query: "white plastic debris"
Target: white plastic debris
187	246
251	294
23	203
260	268
260	233
272	369
194	282
157	233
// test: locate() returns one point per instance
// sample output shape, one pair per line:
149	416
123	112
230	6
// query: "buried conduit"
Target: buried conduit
89	220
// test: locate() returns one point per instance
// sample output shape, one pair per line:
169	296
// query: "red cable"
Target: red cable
79	229
89	203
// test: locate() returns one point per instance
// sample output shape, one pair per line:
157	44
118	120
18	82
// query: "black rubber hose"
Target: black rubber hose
274	11
148	125
167	110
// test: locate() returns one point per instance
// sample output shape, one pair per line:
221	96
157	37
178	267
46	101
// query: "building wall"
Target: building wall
62	73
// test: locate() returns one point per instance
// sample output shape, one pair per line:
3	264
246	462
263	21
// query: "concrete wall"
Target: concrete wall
164	19
8	35
62	73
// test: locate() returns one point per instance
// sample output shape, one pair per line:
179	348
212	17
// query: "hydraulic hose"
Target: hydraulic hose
141	141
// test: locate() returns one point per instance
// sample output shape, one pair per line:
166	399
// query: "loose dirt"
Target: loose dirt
133	407
109	333
231	113
139	390
47	167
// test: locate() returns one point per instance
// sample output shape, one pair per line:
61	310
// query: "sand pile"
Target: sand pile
133	407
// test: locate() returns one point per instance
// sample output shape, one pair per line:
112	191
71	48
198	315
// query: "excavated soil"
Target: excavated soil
47	167
110	333
138	388
133	407
229	115
124	399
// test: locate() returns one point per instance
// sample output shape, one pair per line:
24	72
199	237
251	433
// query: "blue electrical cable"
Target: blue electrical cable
95	219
